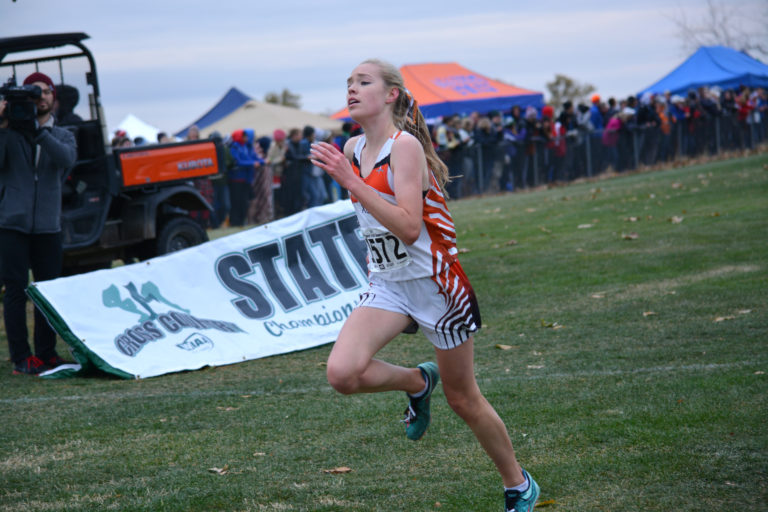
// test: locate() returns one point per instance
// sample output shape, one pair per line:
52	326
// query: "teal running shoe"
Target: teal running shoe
417	415
517	501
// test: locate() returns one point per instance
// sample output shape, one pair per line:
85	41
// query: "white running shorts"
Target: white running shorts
446	319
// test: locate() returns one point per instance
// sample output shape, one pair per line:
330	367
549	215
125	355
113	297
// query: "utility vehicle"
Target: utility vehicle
129	203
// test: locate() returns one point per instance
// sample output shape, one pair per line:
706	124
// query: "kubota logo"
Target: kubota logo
189	165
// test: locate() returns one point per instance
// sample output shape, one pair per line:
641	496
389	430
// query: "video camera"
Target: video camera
21	109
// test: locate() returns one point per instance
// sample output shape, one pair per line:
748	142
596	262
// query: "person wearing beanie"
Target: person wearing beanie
42	80
67	98
34	160
597	121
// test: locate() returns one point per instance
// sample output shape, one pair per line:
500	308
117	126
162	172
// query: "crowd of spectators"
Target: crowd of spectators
524	147
271	176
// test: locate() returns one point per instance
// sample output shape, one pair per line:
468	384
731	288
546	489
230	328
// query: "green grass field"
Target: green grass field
625	346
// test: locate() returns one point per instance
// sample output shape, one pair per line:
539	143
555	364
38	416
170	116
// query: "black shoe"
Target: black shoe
53	362
30	366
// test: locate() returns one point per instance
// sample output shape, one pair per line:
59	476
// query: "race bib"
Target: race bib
385	251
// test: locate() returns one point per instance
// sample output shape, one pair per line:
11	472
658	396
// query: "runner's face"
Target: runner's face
366	91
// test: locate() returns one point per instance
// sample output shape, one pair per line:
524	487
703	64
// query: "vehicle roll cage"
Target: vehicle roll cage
10	45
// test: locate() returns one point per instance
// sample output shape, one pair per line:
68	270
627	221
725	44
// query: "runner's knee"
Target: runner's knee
466	404
342	378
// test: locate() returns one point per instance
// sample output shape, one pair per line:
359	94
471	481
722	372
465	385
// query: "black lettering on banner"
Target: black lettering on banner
152	329
169	323
127	346
133	339
251	302
186	320
308	277
325	235
265	256
255	303
137	334
349	229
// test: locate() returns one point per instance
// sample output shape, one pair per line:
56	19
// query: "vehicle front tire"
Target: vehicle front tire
180	233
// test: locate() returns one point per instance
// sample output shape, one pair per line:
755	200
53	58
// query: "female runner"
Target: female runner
396	182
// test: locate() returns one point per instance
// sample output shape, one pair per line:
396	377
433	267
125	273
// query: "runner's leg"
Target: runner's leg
465	398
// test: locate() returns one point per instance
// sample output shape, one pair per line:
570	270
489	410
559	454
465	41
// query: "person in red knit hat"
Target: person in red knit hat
44	80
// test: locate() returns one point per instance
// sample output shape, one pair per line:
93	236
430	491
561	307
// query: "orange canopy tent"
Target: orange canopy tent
448	88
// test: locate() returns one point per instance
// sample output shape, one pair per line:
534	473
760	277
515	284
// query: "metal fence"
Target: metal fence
517	164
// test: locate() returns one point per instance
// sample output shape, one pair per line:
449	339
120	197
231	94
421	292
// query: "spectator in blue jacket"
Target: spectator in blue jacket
242	175
596	115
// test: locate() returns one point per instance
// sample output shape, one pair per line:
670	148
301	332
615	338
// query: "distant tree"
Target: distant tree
564	88
285	98
725	25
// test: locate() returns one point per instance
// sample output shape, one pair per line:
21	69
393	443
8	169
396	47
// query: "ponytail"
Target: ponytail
414	123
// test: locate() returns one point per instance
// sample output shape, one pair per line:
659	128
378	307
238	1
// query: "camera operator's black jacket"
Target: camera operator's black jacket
30	193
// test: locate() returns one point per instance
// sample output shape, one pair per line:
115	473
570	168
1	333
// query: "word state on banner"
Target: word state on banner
312	279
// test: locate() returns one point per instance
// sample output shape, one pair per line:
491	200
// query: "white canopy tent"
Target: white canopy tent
135	127
264	118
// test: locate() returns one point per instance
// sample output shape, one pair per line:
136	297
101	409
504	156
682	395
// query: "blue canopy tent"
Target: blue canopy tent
231	101
713	66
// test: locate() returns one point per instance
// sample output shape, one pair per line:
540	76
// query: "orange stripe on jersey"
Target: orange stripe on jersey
356	168
454	286
440	228
378	179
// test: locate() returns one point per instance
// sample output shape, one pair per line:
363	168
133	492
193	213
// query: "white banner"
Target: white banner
285	286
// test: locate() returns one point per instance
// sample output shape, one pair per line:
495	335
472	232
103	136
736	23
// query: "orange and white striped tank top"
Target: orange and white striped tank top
434	252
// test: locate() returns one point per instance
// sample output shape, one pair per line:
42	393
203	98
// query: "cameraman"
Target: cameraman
34	160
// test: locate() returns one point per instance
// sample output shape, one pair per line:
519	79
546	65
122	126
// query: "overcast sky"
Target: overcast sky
169	61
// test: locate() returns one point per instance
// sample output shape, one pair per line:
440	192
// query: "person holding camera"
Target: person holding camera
35	156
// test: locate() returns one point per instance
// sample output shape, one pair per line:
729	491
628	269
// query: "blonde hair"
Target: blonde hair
411	119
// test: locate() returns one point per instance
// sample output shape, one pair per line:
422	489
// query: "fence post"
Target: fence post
480	169
635	149
717	135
